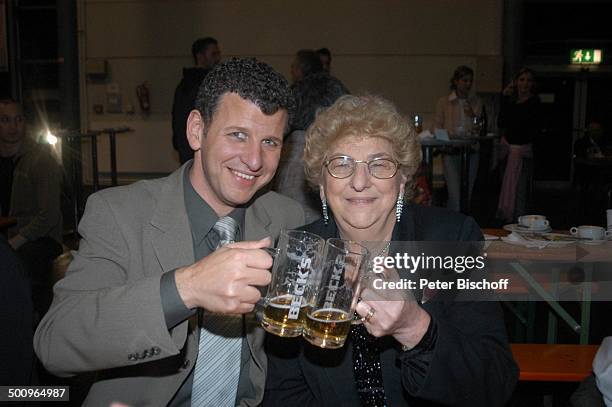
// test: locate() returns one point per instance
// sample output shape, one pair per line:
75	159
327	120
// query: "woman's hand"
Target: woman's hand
393	312
467	110
509	89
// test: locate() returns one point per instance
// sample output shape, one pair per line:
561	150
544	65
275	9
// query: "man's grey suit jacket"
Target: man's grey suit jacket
107	315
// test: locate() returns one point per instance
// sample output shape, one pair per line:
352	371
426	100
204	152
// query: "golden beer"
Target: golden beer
327	328
276	317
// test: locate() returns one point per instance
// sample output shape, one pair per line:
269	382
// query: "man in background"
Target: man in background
206	54
30	190
306	62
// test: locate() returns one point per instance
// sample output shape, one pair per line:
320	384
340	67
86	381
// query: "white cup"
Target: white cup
609	218
590	232
533	221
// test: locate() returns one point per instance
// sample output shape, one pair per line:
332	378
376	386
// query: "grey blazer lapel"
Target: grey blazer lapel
257	223
170	232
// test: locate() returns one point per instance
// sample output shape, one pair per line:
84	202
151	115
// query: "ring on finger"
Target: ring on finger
369	315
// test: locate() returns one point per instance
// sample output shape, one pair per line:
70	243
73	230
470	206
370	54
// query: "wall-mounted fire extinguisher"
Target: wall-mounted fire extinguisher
142	91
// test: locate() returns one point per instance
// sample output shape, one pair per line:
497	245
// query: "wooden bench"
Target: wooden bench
554	363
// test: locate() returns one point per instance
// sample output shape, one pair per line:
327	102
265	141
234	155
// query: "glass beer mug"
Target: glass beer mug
339	285
298	256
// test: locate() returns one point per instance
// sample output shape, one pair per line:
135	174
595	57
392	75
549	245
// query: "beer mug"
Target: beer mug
298	255
339	285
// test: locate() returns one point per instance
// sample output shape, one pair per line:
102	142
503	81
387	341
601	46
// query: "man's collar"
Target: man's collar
201	216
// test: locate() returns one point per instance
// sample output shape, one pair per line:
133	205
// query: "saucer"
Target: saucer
593	242
515	227
534	242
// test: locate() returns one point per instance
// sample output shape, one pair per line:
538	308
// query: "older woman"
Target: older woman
362	156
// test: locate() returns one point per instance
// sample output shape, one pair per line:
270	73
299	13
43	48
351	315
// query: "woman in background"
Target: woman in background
455	114
520	122
312	93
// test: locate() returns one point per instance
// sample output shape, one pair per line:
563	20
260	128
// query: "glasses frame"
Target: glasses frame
366	162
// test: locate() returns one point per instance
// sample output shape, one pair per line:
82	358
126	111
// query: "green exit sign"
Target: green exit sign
585	56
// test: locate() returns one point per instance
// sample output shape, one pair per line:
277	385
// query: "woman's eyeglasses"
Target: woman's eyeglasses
344	166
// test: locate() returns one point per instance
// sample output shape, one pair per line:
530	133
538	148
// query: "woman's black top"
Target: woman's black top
521	122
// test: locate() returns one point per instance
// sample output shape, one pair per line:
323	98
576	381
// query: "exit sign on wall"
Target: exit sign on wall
585	56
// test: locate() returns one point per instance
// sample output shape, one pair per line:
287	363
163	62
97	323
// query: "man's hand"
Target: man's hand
226	280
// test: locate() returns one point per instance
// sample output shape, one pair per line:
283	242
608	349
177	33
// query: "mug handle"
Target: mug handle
261	303
546	223
574	230
272	251
608	233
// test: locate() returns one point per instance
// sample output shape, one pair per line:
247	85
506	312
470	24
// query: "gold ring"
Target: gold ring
369	315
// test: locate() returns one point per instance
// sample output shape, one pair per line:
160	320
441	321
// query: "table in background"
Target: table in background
464	145
506	251
75	136
112	133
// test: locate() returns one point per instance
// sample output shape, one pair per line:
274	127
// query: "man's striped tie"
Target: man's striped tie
217	369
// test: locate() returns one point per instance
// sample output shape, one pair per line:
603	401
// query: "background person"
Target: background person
157	300
206	54
363	155
326	58
16	351
592	145
306	62
313	93
520	121
455	114
31	189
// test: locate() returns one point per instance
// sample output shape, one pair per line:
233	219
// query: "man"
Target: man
30	190
206	54
147	261
16	351
325	58
590	145
306	62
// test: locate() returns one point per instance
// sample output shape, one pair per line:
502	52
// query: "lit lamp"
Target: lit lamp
47	137
50	138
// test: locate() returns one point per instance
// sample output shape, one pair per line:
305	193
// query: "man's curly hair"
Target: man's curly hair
253	80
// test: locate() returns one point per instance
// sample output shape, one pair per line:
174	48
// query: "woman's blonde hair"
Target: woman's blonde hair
362	116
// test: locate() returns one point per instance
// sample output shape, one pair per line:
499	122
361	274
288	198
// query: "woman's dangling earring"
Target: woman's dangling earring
325	214
399	206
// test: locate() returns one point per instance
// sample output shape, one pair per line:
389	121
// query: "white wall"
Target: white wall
404	50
